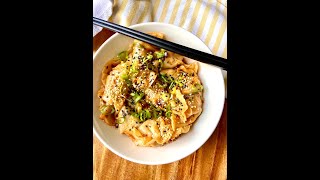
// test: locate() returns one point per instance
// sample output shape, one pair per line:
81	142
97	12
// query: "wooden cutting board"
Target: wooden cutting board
208	162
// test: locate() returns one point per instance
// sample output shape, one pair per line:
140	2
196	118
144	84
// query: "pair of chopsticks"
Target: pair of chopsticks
170	46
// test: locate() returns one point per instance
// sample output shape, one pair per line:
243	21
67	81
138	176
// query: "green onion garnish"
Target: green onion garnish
123	56
148	114
196	88
137	96
159	54
112	110
124	76
168	114
103	109
120	120
171	85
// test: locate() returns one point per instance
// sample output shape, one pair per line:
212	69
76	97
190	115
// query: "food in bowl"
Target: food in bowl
152	95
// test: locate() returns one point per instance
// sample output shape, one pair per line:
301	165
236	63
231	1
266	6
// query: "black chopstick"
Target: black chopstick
170	46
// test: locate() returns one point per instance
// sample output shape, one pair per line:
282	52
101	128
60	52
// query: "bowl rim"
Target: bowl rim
205	139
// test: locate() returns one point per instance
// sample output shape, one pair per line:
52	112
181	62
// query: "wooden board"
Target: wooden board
208	162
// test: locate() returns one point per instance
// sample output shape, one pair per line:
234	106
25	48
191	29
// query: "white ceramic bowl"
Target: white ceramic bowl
201	130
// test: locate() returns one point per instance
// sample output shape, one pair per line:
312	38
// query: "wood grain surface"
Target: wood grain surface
208	162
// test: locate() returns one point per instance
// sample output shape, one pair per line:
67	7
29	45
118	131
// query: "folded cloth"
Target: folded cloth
101	9
207	19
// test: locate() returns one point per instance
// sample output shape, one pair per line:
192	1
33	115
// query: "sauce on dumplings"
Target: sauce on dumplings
150	94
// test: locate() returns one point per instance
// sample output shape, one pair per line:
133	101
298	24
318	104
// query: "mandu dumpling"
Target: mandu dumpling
150	94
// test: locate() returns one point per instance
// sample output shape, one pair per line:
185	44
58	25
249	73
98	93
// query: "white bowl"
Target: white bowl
214	96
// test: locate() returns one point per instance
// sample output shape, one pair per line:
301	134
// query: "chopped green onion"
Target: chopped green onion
134	114
171	85
148	114
163	77
134	67
133	70
168	114
137	96
149	56
138	107
179	81
120	120
159	54
123	55
124	76
103	109
112	110
168	111
196	88
142	116
167	79
156	111
155	114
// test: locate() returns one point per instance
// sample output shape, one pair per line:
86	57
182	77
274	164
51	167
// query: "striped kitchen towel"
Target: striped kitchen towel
207	19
